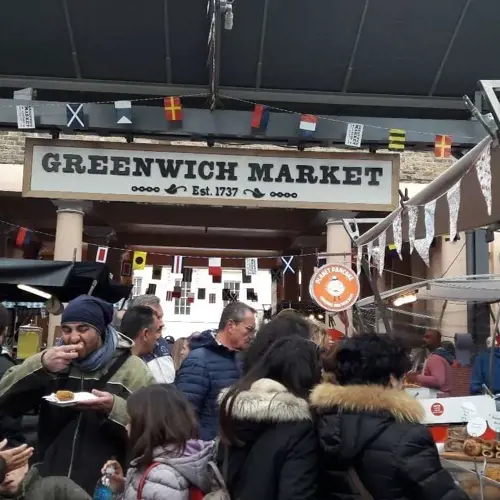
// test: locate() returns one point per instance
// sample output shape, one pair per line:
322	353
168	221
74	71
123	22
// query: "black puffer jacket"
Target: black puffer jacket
377	432
278	460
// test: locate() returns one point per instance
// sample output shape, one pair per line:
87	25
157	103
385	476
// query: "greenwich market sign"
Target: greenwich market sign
209	176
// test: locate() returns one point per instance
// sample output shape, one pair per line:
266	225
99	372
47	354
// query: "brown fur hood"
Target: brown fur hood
268	401
368	398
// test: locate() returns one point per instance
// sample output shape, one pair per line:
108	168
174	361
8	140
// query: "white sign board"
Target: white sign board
164	174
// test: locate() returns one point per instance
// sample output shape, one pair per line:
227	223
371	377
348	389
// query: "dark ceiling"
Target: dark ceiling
389	47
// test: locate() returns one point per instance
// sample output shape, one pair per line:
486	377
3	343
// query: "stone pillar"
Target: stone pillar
68	244
339	251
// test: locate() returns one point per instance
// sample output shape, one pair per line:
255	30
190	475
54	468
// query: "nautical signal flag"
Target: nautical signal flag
102	255
307	125
260	118
397	139
123	112
139	261
25	117
177	264
75	116
23	237
173	109
214	266
442	146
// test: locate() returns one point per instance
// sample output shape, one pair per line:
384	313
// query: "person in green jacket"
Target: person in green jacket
27	484
93	357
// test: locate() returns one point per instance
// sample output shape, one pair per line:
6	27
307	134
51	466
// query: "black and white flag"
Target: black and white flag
75	116
25	117
123	112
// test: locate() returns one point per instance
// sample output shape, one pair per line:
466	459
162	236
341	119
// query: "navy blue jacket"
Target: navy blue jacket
209	368
481	372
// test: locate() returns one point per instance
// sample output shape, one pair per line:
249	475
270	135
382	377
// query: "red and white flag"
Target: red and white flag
178	264
102	255
214	266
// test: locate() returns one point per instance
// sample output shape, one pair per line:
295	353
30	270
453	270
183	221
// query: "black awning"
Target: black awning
64	280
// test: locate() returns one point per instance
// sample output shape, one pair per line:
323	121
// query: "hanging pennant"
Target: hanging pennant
423	250
102	255
251	266
381	252
25	117
359	256
369	251
354	135
412	226
483	170
397	232
453	197
430	211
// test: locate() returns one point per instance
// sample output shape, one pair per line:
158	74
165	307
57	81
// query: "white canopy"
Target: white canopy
473	211
480	288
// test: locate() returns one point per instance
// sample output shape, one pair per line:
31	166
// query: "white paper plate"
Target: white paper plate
80	397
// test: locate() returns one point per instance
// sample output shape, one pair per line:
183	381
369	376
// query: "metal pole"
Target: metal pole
378	299
492	353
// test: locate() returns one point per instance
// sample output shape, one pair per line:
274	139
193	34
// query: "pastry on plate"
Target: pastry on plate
472	448
456	445
65	396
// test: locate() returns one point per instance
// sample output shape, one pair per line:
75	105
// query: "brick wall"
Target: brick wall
421	167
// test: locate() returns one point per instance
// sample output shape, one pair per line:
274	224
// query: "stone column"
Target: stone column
68	244
338	243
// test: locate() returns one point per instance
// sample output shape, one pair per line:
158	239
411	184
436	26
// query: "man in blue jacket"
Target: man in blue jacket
481	371
213	364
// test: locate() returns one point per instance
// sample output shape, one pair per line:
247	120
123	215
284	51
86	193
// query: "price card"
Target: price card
477	427
495	421
469	410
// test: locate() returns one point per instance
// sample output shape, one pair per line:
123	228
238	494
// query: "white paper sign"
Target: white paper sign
477	427
25	117
354	135
469	410
495	421
251	266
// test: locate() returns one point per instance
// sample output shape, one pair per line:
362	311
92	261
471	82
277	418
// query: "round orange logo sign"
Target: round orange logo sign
334	287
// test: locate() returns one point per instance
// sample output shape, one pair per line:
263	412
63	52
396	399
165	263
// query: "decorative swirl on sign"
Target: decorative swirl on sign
145	189
172	189
256	193
279	194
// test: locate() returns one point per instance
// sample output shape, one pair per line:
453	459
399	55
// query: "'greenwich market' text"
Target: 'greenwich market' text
207	170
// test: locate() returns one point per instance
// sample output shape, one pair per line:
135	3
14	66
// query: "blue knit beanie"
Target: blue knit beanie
90	310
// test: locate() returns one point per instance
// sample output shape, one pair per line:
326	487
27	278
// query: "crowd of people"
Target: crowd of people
271	413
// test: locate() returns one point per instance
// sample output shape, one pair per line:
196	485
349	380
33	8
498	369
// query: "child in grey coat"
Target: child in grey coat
166	458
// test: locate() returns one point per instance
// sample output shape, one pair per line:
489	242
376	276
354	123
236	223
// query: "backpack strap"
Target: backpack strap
144	478
117	364
358	484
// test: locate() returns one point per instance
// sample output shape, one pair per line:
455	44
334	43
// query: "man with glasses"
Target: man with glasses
214	364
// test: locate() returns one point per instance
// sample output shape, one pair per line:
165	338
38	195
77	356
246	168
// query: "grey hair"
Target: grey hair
235	311
145	300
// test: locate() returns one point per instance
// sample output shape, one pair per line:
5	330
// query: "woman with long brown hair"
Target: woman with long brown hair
180	351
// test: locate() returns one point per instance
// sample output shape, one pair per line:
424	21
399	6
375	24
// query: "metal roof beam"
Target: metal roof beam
234	126
74	53
168	58
254	95
449	47
258	78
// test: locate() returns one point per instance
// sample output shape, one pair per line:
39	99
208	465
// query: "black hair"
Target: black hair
235	311
292	361
4	319
160	415
367	359
135	320
281	326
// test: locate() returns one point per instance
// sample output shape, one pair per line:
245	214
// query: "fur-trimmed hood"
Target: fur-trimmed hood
351	418
368	398
268	401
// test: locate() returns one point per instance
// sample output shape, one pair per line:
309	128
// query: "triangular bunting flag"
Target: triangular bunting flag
123	112
102	255
423	250
75	116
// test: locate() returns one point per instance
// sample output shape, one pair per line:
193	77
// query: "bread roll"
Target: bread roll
458	433
472	448
454	445
65	395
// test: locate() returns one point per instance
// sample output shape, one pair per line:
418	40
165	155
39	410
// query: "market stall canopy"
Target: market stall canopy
480	288
472	206
64	280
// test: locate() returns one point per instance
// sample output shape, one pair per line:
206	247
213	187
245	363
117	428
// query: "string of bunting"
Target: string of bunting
77	119
410	214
